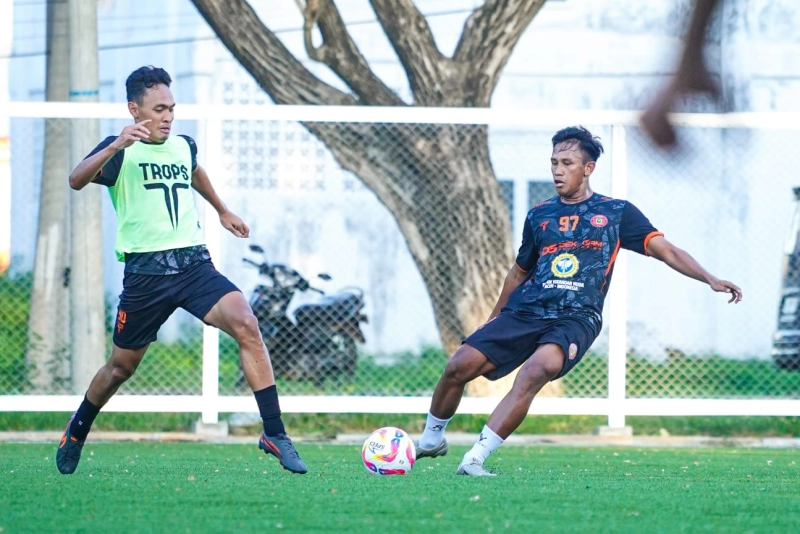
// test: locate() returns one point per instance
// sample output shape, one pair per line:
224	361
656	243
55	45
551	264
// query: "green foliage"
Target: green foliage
589	378
169	369
176	368
413	373
329	425
717	426
710	377
127	422
15	298
683	376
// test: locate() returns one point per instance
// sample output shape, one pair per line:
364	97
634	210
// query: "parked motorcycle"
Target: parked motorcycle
321	340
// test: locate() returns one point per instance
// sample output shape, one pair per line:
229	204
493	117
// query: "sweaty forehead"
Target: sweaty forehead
568	149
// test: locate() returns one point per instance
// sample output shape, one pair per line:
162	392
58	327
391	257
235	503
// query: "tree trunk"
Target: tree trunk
436	180
448	205
48	327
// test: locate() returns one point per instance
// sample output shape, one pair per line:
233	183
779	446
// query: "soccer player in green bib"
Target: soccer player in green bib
150	176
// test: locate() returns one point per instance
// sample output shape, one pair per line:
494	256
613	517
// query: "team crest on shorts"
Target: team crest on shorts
599	221
565	265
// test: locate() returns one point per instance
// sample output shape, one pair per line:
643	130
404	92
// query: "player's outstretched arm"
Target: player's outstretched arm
513	279
88	169
230	221
681	261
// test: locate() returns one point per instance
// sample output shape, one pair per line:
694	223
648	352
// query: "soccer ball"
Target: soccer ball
388	451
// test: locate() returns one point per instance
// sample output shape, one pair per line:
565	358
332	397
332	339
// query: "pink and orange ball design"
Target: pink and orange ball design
388	451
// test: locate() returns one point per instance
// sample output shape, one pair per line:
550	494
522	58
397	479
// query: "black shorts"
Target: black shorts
148	300
510	339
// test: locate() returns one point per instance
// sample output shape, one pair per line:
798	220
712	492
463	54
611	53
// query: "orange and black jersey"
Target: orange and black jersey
568	251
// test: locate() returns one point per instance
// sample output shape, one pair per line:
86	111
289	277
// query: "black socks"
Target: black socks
83	419
270	410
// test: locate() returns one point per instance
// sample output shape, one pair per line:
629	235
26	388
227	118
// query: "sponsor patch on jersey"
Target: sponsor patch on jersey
573	351
599	221
565	265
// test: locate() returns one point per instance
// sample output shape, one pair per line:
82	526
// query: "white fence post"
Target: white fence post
211	133
618	293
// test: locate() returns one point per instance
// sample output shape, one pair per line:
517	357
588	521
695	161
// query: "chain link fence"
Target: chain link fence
726	198
371	244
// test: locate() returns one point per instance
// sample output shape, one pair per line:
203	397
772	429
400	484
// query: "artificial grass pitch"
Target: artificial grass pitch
183	487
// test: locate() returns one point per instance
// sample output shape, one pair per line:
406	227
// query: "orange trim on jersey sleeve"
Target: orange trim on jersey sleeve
612	260
520	268
610	265
647	239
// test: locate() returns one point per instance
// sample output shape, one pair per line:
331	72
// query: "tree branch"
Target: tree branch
412	40
310	15
264	56
340	53
488	39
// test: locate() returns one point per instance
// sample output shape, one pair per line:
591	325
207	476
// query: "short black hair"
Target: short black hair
589	144
143	79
